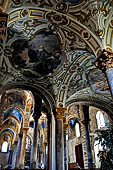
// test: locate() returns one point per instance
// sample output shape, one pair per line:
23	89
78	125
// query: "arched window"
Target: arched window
77	128
100	119
4	147
28	143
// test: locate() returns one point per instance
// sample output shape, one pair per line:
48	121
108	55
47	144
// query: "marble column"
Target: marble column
48	141
33	159
10	156
65	126
86	124
44	155
53	143
14	154
105	63
23	149
18	150
59	139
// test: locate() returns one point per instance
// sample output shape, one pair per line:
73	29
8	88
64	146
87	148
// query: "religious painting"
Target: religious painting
98	81
39	56
16	99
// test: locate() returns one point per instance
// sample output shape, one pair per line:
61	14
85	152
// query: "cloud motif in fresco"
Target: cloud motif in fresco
37	57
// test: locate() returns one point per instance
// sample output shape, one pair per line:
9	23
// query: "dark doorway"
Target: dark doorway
79	155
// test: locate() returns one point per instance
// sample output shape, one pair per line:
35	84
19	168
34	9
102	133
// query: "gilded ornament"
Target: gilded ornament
65	126
105	60
24	13
95	11
60	112
100	32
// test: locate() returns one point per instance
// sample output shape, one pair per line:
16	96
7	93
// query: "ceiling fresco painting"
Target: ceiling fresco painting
39	56
98	81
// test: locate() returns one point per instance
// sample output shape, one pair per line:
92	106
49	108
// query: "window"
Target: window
77	128
4	147
28	143
100	119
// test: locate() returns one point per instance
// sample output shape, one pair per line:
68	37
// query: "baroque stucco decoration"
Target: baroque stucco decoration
79	26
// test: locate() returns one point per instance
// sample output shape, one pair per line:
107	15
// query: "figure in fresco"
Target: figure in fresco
39	56
98	81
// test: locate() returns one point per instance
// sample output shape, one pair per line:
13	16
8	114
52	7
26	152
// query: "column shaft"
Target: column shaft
14	154
10	157
18	150
60	145
23	149
59	139
86	123
65	152
33	159
109	75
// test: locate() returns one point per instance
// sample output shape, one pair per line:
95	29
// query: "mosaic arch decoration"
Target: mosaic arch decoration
37	57
13	98
13	112
7	131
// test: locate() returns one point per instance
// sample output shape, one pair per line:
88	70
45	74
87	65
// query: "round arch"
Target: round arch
36	90
98	103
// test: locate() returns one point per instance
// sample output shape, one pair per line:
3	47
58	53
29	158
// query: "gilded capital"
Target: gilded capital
104	61
60	112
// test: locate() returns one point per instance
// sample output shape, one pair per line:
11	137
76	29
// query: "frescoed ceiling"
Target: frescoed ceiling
53	45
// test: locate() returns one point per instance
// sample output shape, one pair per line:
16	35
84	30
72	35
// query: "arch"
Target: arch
10	118
35	89
74	57
8	130
93	101
13	112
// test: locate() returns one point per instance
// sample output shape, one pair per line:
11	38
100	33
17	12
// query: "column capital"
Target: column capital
105	60
60	112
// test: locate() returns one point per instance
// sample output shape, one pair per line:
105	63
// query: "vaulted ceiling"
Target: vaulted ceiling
51	46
